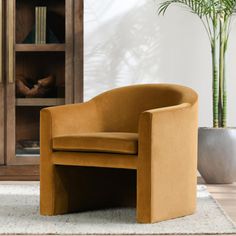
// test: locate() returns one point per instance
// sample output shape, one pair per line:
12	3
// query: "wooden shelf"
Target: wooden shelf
39	47
40	101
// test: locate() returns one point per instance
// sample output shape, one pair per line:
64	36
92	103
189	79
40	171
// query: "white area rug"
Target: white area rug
19	214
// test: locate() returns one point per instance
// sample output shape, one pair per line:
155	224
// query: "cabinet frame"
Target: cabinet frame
73	49
78	50
2	100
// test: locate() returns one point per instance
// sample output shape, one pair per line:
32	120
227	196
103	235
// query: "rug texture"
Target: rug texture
19	214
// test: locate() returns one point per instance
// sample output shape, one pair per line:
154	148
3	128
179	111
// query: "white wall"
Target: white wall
126	42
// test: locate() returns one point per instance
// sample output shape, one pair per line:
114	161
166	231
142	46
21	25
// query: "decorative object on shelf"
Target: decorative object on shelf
40	24
22	86
29	144
216	16
27	88
27	147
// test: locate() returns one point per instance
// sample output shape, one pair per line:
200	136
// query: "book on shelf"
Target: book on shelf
41	33
40	24
44	24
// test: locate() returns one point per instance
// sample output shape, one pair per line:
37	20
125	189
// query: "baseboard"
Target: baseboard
19	173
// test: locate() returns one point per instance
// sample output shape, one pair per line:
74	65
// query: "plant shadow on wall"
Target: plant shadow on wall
129	55
134	46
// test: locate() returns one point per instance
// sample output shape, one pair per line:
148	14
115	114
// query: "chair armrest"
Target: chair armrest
168	158
65	120
56	121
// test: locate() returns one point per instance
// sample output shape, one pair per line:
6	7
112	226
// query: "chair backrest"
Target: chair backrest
119	109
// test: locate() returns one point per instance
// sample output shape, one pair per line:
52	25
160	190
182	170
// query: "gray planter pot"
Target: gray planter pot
217	155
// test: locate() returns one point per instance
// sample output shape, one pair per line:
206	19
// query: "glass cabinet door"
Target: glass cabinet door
39	71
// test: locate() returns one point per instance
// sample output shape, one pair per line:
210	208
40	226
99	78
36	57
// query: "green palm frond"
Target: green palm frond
199	7
210	8
229	7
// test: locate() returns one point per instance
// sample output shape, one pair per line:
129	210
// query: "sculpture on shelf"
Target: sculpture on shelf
26	87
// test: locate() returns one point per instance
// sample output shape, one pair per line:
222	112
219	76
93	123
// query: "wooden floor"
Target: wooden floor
224	194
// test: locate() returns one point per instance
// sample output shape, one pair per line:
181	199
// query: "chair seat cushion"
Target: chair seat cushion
111	142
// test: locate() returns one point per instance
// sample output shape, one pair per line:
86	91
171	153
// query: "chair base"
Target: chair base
79	189
76	189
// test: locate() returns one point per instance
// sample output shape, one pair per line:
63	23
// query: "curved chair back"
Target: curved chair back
119	109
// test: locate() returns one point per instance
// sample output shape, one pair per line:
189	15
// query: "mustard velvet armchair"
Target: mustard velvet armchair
134	145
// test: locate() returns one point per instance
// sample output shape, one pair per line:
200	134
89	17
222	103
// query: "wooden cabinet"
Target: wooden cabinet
34	76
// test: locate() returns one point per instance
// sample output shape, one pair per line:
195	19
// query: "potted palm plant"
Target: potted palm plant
217	145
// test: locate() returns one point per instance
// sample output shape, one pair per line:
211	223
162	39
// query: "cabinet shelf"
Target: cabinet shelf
40	47
40	101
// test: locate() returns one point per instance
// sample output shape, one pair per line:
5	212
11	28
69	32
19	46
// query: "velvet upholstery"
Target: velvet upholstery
156	124
112	142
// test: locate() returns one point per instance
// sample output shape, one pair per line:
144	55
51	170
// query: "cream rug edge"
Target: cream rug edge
19	214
